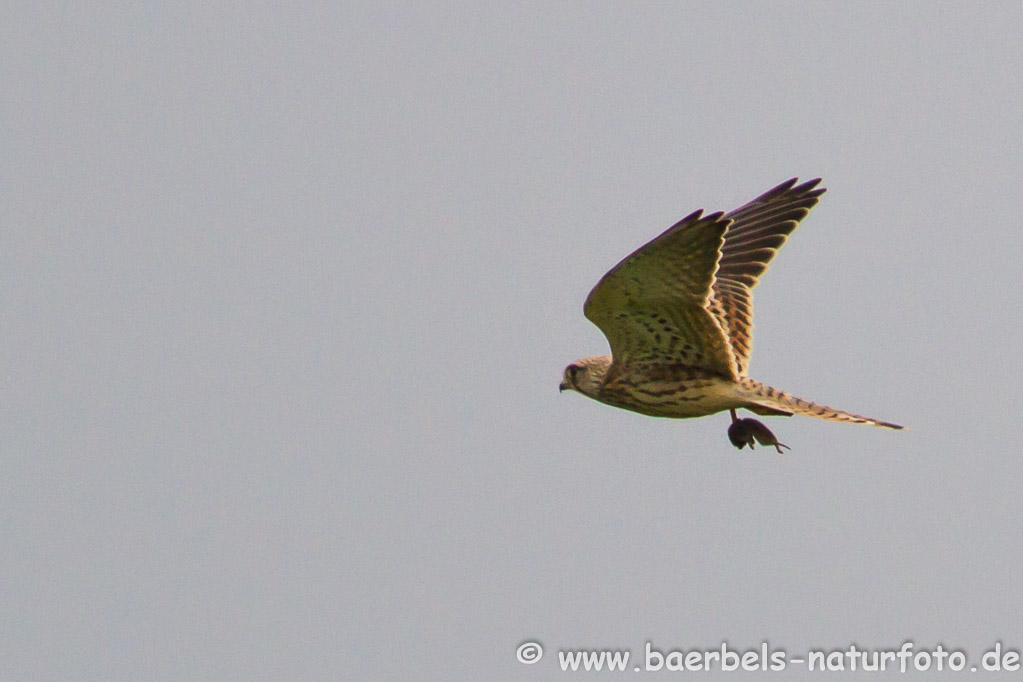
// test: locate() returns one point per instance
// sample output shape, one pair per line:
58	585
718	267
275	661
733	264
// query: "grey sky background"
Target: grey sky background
287	291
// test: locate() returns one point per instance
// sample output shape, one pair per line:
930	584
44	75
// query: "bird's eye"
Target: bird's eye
573	370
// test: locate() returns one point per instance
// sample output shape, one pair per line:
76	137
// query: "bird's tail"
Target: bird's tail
764	399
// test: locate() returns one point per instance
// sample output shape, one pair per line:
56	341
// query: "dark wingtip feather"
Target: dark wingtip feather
809	185
790	187
775	191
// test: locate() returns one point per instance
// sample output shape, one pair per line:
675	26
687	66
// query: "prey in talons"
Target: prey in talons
748	431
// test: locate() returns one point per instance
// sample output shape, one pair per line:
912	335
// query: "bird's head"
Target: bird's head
585	375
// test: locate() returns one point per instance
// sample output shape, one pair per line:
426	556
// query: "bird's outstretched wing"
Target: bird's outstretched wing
757	231
653	306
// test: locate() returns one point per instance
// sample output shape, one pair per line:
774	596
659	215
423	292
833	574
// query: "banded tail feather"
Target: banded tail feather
771	401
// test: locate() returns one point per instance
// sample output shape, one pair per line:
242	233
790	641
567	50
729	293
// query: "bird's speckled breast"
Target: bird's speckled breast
667	390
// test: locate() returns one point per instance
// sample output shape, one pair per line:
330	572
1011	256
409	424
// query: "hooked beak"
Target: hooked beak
563	387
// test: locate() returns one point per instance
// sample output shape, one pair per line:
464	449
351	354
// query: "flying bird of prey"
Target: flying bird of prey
678	314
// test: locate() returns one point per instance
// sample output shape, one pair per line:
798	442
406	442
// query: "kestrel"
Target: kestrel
678	314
